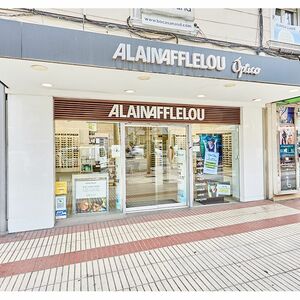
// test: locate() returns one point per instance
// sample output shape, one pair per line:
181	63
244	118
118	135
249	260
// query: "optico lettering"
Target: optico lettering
240	69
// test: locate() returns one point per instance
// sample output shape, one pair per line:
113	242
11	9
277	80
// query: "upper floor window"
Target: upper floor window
287	16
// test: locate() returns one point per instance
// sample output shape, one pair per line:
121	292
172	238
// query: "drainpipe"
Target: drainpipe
261	31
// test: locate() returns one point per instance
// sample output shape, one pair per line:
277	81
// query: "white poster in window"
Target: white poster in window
181	157
285	33
181	179
92	126
211	161
90	189
223	189
115	151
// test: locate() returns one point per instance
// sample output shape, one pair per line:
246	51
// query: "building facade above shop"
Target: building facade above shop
53	44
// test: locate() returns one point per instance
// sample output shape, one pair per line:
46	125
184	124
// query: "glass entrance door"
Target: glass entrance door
156	165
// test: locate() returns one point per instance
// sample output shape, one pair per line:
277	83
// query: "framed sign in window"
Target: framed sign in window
90	193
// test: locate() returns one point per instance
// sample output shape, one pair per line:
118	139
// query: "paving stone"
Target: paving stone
263	258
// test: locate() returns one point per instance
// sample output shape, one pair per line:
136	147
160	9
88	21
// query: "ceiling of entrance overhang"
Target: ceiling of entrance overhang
97	83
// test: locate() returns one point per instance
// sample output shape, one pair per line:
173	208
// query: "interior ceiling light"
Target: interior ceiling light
256	100
144	77
230	84
46	84
200	96
129	91
39	68
294	90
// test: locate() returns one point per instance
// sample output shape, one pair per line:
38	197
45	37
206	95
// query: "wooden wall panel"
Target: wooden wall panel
92	110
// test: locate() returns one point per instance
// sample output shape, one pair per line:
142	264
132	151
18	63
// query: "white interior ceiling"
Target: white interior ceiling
98	83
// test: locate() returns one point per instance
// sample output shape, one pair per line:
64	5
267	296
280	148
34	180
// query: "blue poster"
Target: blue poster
211	143
287	151
286	115
286	33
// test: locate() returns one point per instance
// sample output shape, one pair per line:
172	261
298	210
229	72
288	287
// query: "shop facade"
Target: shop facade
72	156
144	156
92	167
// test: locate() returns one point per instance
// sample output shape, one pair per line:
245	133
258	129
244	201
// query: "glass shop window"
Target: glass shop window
87	161
287	148
215	163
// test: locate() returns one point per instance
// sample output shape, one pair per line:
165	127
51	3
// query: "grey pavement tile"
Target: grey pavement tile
153	287
18	282
180	283
104	282
70	285
147	287
129	278
42	289
123	278
77	285
167	286
141	275
5	283
117	281
111	282
84	283
97	282
50	287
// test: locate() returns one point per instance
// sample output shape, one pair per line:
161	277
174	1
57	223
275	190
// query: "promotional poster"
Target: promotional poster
211	162
91	195
287	141
212	189
286	115
287	135
211	151
211	143
61	207
223	189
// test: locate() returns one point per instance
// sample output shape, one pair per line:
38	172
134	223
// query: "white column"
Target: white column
31	169
123	168
190	174
251	154
273	186
2	159
235	163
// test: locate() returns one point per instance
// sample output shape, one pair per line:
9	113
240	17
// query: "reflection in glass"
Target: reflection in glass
155	165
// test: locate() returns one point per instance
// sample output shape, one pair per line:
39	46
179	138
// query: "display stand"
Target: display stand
66	151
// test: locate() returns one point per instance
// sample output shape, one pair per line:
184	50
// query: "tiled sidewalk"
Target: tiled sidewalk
244	246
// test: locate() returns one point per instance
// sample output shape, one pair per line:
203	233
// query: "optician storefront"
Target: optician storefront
83	148
122	156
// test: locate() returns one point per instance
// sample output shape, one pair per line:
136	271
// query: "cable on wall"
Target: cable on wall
157	35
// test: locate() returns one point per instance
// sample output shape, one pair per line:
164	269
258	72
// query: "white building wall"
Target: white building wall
31	172
252	154
2	159
233	25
